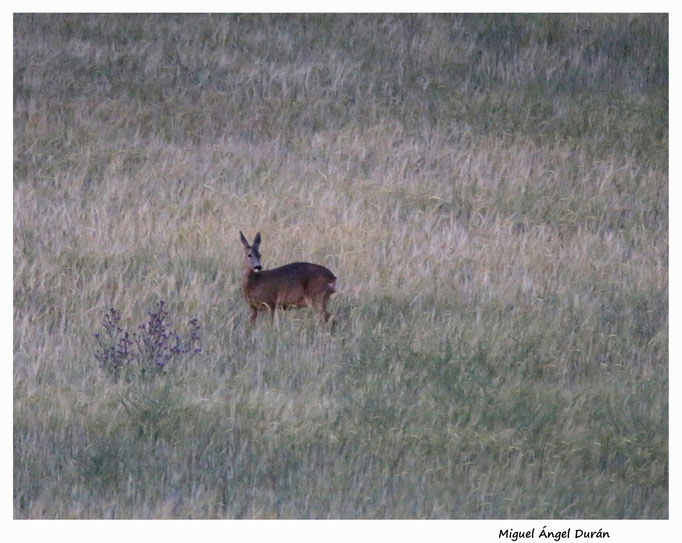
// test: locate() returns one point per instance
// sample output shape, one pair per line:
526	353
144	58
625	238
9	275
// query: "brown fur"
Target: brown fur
299	284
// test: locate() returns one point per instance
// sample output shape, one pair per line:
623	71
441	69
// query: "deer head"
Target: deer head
251	253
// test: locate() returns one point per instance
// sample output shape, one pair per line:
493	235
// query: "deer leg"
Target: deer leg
323	306
320	307
269	308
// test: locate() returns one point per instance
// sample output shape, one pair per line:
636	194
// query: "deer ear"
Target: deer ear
244	242
256	241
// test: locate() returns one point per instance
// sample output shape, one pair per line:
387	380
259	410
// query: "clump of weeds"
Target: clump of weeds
152	348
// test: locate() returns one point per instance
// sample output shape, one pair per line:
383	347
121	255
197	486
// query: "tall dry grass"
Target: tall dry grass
491	191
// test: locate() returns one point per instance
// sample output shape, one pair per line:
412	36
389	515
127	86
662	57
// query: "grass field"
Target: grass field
491	192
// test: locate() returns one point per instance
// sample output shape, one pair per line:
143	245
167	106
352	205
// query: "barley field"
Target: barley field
491	192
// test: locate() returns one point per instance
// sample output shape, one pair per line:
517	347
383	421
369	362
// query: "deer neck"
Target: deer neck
248	276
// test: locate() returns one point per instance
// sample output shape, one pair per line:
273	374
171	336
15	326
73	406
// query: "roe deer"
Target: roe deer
299	284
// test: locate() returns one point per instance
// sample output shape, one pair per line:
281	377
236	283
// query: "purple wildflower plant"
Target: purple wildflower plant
113	344
152	347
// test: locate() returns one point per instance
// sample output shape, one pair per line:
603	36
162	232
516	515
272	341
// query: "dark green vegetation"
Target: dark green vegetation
491	192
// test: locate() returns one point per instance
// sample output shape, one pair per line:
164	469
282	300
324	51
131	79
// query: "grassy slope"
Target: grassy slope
491	192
